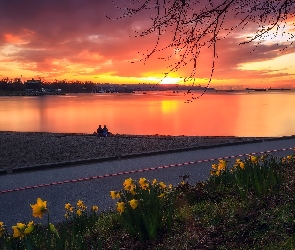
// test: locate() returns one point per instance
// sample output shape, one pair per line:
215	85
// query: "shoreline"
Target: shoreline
28	149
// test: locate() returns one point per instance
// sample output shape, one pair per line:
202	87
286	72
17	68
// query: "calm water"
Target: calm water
239	114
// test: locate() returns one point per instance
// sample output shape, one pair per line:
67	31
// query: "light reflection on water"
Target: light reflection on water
253	114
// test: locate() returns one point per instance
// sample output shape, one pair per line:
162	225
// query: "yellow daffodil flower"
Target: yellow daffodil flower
94	208
1	228
242	165
39	208
21	229
132	189
128	183
68	206
80	203
143	183
18	230
253	158
133	203
79	212
162	185
215	166
222	165
120	207
154	182
115	195
161	195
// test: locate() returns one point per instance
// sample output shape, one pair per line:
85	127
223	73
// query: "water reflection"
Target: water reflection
265	114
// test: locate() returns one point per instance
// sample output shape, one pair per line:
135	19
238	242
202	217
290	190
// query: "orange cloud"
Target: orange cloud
75	40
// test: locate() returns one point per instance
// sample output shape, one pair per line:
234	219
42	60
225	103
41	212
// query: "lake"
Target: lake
164	113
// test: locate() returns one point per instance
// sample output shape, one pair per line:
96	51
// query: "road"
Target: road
15	206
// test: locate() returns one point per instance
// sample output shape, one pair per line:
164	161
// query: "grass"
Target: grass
207	215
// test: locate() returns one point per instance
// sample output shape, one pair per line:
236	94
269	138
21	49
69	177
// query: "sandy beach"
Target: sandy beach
23	149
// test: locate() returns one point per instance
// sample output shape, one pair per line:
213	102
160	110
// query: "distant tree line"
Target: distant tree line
15	84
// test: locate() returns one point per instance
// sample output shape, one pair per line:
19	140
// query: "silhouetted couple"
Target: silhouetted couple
102	132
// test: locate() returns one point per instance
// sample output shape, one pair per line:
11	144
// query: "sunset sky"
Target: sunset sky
73	40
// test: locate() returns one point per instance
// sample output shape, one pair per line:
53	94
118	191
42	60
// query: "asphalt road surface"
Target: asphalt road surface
15	205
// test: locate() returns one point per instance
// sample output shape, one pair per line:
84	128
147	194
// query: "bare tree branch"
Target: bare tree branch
198	24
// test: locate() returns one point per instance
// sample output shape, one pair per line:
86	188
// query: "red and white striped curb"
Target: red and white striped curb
139	170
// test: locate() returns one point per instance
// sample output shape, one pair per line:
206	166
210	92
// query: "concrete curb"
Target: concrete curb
129	156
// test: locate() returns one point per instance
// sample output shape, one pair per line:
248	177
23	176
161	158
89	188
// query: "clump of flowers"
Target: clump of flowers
145	206
288	159
259	175
21	229
80	217
238	165
79	211
218	169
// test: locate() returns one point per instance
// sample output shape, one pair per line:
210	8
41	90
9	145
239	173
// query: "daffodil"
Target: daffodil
132	189
154	182
79	212
253	158
161	195
21	229
115	195
242	165
215	166
80	203
39	208
162	184
94	208
120	207
129	184
1	228
18	230
222	165
143	183
133	203
68	206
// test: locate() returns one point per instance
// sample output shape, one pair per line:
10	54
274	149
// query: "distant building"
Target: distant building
35	85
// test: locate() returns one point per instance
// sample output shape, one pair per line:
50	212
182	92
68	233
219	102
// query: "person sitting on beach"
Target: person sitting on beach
104	131
99	131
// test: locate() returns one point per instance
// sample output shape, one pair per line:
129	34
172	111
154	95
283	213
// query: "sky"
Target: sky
73	40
